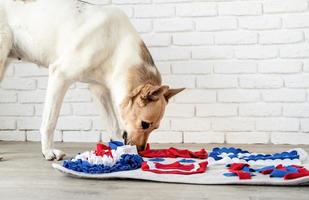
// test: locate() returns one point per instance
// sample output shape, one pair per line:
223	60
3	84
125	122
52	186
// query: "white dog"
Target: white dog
77	41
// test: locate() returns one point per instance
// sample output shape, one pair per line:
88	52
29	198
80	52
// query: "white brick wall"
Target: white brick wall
245	64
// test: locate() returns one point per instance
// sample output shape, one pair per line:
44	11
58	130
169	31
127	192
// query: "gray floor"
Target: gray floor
25	175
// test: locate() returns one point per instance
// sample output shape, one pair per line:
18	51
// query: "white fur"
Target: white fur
76	42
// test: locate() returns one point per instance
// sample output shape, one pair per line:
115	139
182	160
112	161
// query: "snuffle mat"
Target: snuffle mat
217	166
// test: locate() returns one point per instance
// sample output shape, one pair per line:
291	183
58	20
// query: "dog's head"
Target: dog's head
143	110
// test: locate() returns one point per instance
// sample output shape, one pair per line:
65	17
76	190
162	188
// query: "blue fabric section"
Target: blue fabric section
156	159
114	144
282	172
260	170
229	174
291	169
278	173
233	153
187	160
247	169
127	162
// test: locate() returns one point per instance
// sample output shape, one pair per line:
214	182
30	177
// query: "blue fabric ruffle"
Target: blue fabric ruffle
233	153
217	151
126	162
284	155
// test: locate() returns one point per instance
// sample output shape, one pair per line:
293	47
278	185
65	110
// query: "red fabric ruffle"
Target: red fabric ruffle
173	153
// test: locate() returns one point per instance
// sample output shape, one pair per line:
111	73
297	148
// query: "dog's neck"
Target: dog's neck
139	70
141	75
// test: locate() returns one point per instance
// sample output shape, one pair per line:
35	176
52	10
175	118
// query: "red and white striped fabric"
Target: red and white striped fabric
173	161
175	167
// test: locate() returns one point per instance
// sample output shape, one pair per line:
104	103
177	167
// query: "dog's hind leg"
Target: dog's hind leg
5	47
56	89
102	96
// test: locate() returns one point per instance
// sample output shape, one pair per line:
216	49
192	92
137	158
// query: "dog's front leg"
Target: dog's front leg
102	96
56	89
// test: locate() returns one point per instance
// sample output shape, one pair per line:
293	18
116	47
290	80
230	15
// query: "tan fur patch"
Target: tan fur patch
145	54
144	73
141	75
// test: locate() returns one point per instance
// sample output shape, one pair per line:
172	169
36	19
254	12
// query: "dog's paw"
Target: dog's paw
53	154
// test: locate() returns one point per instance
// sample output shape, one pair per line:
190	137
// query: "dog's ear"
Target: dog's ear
136	91
172	92
147	93
129	99
153	93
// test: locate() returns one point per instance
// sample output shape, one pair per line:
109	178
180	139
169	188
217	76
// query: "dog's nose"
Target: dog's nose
125	137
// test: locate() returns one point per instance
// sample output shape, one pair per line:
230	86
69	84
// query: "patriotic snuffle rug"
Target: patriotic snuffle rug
219	166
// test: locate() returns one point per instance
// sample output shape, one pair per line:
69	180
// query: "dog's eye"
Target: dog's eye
145	125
